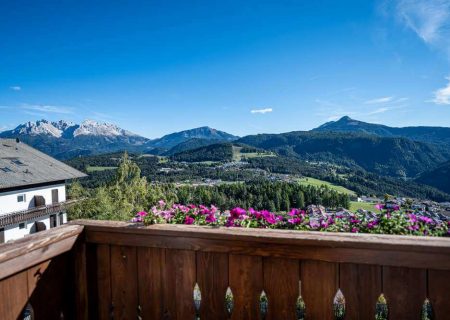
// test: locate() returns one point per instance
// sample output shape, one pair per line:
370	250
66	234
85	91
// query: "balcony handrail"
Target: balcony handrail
30	250
379	249
24	215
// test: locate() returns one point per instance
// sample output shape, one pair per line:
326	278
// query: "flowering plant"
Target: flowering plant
386	221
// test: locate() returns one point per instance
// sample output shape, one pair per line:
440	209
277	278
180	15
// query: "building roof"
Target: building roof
22	165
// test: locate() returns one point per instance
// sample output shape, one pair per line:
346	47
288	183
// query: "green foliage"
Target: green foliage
215	152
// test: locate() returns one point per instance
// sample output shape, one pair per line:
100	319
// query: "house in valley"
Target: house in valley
32	190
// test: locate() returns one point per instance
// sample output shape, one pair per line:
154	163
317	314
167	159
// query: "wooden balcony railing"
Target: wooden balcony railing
114	270
32	213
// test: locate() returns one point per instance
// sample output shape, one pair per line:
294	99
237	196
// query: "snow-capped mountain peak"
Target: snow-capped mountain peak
68	129
40	127
94	128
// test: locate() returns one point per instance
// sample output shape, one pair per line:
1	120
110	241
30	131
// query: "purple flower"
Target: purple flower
355	230
161	203
294	212
237	212
379	206
188	220
314	224
426	220
210	218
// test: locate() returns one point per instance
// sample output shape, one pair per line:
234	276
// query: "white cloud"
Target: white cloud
15	88
49	109
442	96
379	100
379	110
261	111
429	19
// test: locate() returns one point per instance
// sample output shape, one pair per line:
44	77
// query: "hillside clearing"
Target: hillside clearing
318	183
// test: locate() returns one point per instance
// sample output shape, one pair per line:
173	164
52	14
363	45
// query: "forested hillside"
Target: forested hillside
395	157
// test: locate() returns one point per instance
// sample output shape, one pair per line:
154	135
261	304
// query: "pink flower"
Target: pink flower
295	221
188	220
294	212
161	203
379	206
142	214
211	218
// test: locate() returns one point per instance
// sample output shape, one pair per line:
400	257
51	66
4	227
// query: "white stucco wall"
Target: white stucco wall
13	232
8	200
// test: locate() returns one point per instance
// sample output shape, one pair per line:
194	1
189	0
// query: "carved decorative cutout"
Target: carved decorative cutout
28	312
339	305
427	310
263	304
229	301
300	306
197	300
381	308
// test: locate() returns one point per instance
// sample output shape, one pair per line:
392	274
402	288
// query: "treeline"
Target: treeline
215	152
273	196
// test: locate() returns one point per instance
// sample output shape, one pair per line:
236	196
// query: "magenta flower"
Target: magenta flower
294	212
142	214
295	220
188	220
355	230
210	218
237	212
379	206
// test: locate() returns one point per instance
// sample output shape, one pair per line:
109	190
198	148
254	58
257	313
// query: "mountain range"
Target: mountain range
419	153
65	140
437	135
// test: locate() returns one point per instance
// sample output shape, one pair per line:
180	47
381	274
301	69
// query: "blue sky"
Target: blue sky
154	67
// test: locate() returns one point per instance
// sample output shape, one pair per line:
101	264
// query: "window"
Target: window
22	225
21	198
53	221
17	162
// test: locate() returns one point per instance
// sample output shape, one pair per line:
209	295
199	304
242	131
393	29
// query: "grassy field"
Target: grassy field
318	183
238	155
93	169
354	205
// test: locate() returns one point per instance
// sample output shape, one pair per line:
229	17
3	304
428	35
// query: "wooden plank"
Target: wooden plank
179	280
289	237
102	293
14	296
319	286
49	288
361	286
246	282
303	250
150	282
439	292
405	291
79	269
281	284
34	249
124	282
212	278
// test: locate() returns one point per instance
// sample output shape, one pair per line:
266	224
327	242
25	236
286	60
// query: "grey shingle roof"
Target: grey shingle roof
22	165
